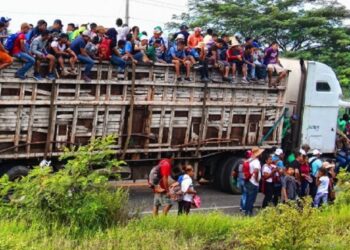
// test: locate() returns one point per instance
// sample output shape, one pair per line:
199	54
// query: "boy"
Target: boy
119	57
61	50
249	60
5	59
38	49
178	57
218	55
322	182
152	52
133	55
19	51
271	60
289	186
235	58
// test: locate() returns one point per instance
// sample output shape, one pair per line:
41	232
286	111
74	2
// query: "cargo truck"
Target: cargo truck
207	124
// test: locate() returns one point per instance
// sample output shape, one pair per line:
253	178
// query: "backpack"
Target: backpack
175	192
246	170
154	176
104	49
10	42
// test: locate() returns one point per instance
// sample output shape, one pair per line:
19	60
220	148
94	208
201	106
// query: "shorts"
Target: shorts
161	199
5	58
223	64
275	67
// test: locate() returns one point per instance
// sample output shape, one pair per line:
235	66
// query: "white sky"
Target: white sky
144	13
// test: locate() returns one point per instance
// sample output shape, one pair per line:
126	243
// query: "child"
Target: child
322	183
119	56
269	171
249	60
187	190
289	186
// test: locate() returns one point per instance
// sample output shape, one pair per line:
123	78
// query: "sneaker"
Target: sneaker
226	79
37	77
205	80
179	79
65	73
233	80
244	80
22	77
51	76
197	66
187	79
86	78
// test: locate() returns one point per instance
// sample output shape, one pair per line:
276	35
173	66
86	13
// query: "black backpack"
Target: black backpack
154	176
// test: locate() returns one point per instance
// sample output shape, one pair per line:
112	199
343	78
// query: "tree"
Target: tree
309	29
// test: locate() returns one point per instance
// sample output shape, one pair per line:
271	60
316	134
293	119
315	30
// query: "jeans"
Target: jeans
260	71
241	184
204	69
268	194
277	189
138	56
321	197
116	60
89	63
28	60
252	192
304	188
251	71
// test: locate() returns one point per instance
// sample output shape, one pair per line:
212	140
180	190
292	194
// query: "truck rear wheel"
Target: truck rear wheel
229	176
17	172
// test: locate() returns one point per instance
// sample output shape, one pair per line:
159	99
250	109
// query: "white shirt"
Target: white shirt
267	169
122	32
324	183
61	47
185	185
255	164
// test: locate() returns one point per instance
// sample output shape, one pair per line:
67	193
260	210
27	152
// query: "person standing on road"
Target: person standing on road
163	198
315	163
188	191
252	186
241	181
269	171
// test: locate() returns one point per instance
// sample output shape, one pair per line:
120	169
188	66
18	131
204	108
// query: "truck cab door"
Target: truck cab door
321	107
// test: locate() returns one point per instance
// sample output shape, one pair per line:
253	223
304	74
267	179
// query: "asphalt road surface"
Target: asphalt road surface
141	200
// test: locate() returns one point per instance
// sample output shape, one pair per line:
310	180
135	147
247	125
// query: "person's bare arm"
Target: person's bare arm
284	194
23	45
3	49
165	182
256	174
83	52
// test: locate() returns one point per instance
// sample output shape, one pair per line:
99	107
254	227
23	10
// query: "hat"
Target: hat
143	37
234	42
183	26
327	165
316	152
197	29
248	154
256	45
58	21
5	19
180	36
278	152
86	33
275	158
101	29
302	151
157	30
256	151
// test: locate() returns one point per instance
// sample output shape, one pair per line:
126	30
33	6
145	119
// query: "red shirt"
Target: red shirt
233	54
194	40
17	46
304	169
165	170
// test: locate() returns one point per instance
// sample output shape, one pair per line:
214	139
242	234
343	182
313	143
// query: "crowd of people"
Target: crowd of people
282	179
122	45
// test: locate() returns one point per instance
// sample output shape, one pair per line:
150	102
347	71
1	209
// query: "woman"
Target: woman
188	191
305	177
269	171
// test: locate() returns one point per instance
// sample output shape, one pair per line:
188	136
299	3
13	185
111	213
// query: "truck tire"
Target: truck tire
219	173
17	172
228	181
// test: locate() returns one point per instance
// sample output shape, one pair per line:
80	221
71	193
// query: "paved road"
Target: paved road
141	200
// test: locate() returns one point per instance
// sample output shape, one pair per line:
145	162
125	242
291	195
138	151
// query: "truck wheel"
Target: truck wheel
229	176
219	173
17	172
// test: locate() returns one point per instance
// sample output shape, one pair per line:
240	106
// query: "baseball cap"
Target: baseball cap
183	26
180	36
143	37
316	152
157	30
302	151
5	19
275	158
86	33
278	152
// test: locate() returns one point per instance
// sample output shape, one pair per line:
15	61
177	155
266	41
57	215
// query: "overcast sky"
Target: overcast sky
144	13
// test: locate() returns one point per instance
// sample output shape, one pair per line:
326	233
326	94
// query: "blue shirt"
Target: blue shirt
77	44
315	166
128	47
174	52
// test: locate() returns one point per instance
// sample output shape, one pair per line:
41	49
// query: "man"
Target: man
272	61
133	55
61	51
56	28
315	164
119	57
195	38
178	58
4	33
217	54
5	59
163	199
184	32
252	186
157	35
241	181
208	38
38	49
123	30
70	31
19	51
235	58
37	31
78	47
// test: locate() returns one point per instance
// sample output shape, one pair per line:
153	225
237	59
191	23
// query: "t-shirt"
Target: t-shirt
289	183
128	47
165	170
17	45
193	40
341	125
60	47
324	184
186	184
255	164
315	166
304	169
174	52
271	56
267	169
122	32
77	44
291	158
233	54
280	164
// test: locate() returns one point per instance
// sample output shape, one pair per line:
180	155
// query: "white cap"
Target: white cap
302	151
86	33
143	37
278	151
180	36
316	152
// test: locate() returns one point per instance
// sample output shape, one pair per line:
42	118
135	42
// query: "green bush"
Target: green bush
75	196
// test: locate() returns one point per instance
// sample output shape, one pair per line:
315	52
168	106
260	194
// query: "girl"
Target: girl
188	191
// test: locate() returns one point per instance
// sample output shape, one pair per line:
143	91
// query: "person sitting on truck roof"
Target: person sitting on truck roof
177	56
133	55
249	60
183	31
119	56
260	68
36	31
70	31
61	51
235	58
217	53
195	38
5	58
78	46
271	60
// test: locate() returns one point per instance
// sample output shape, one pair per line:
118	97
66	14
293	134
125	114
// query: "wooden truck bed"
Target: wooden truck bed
148	111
